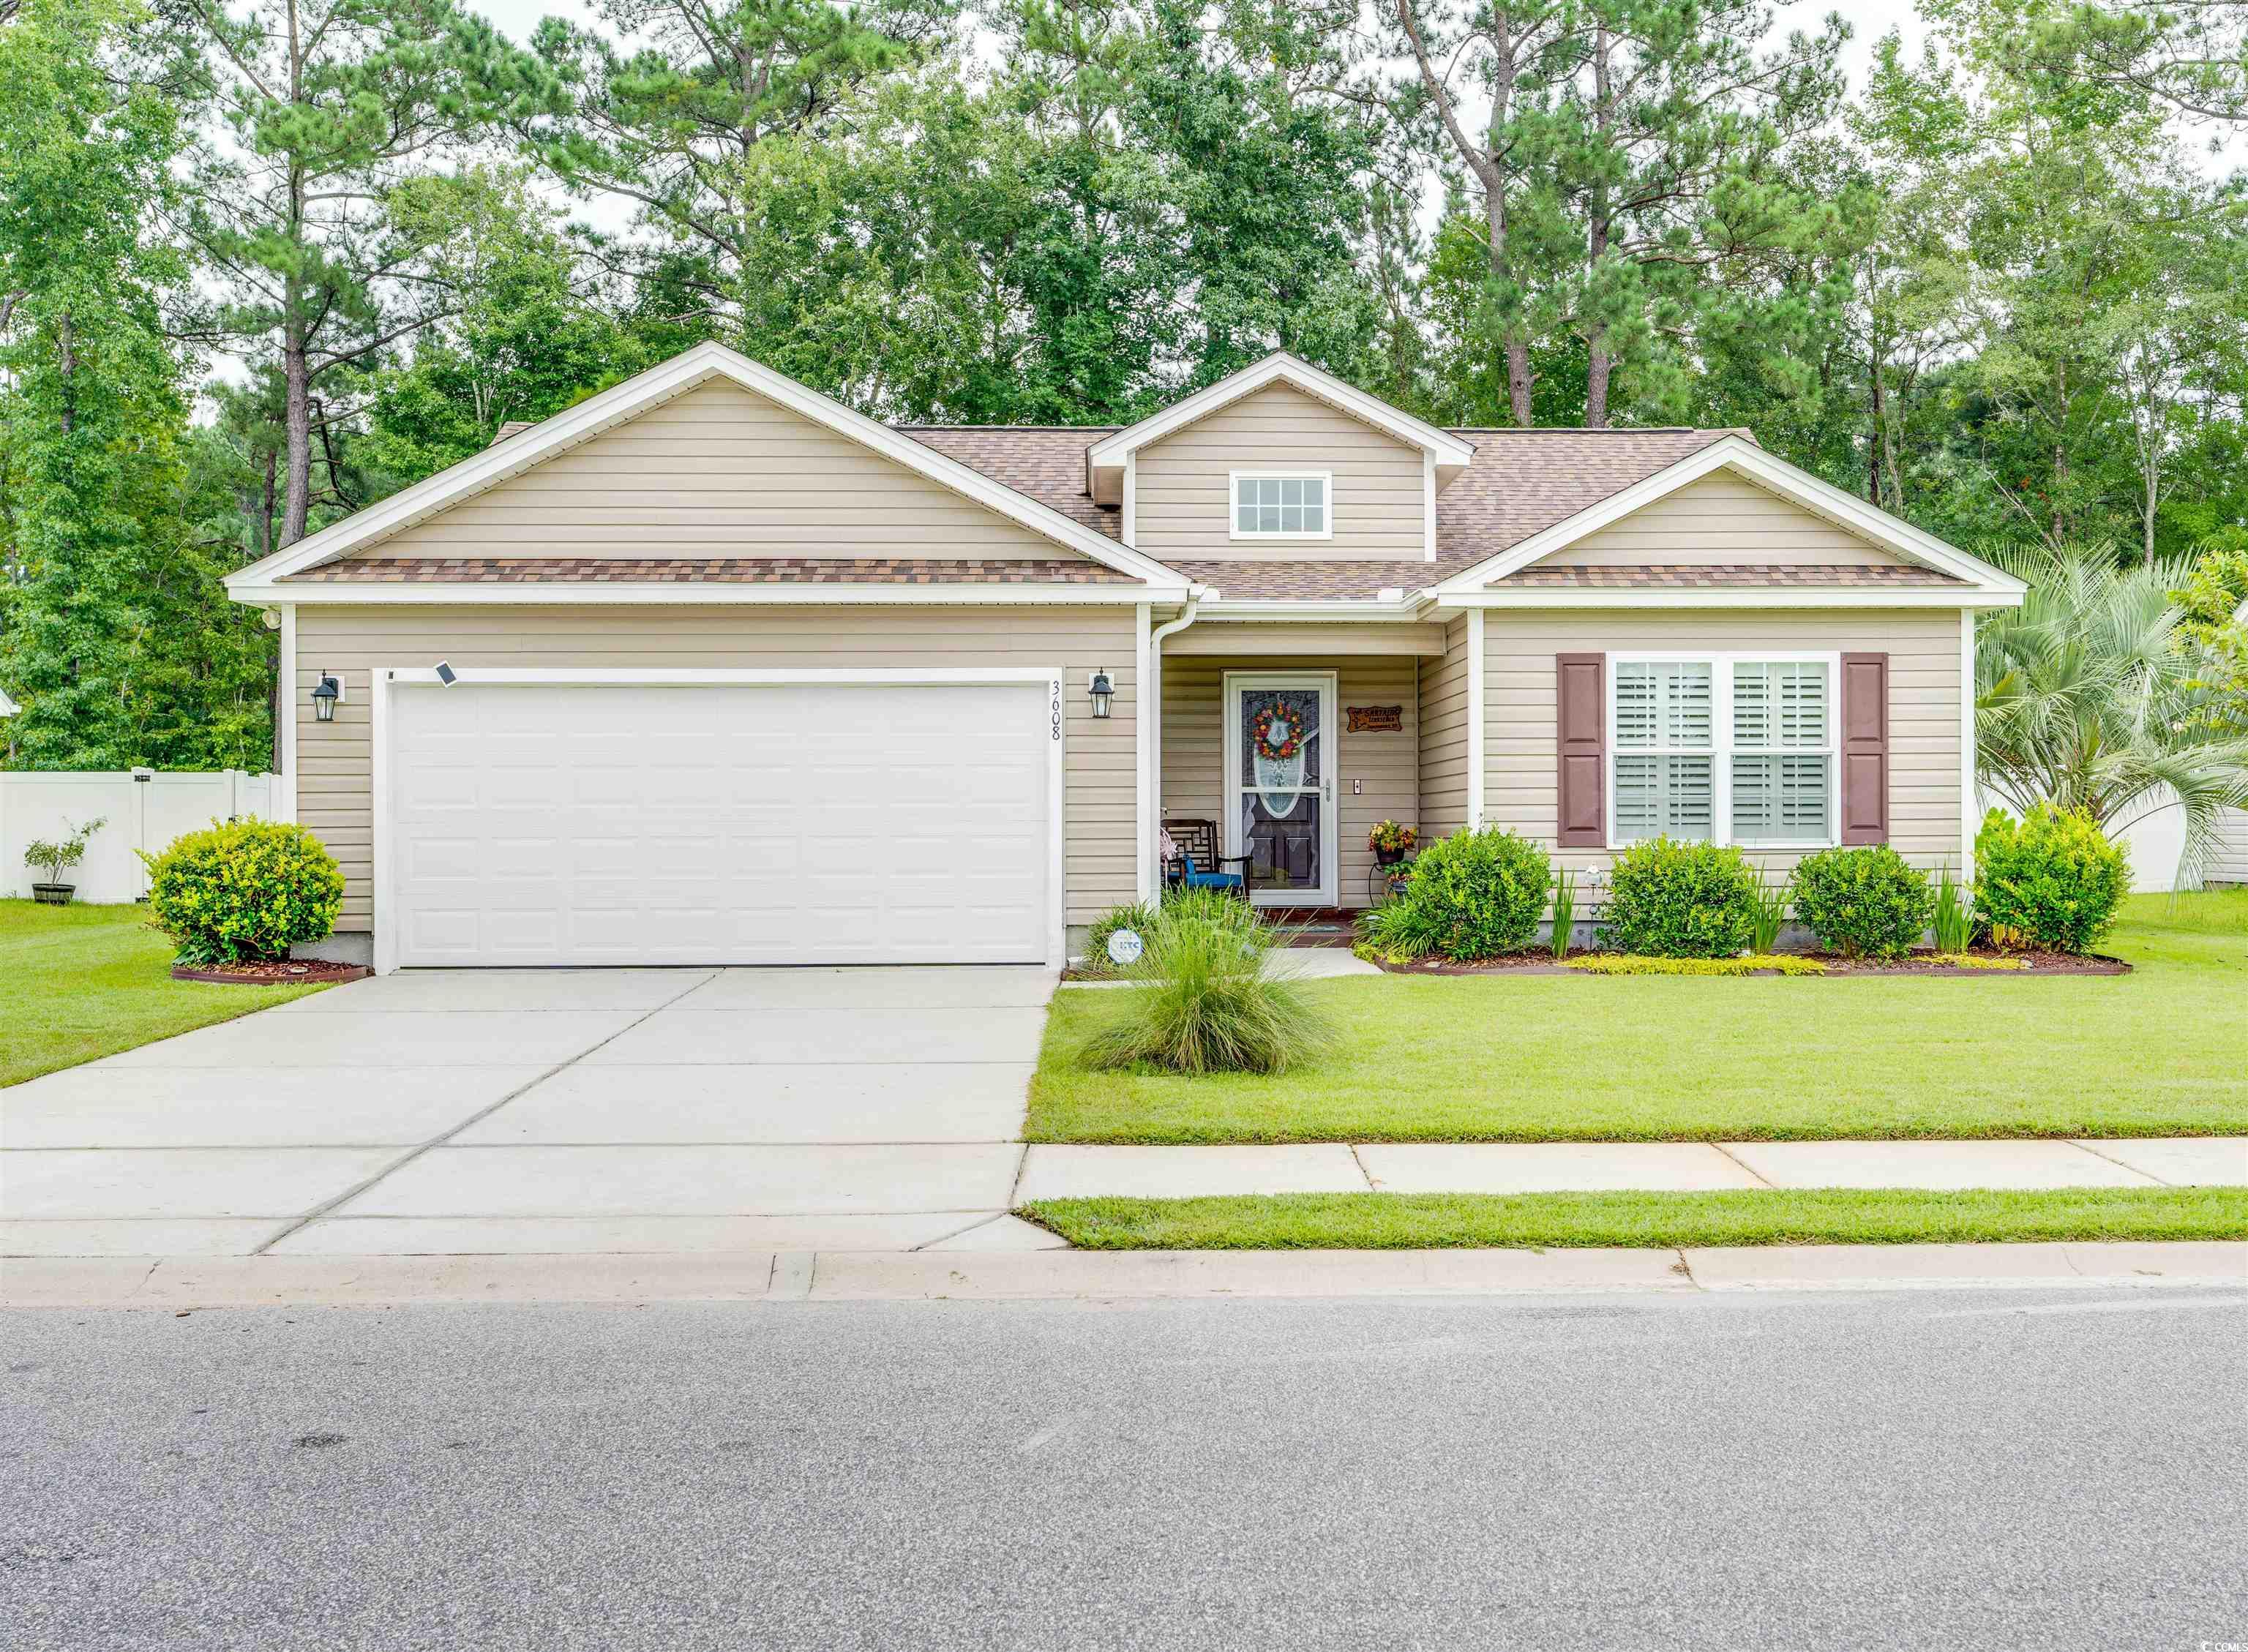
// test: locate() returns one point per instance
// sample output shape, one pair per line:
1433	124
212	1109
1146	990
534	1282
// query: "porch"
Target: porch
1292	741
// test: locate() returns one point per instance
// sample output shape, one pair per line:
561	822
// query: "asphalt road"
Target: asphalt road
1953	1469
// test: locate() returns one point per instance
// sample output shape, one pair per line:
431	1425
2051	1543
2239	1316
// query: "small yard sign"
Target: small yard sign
1125	947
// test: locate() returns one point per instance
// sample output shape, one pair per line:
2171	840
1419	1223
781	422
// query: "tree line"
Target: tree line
263	265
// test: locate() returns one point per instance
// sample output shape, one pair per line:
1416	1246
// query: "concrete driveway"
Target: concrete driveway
547	1111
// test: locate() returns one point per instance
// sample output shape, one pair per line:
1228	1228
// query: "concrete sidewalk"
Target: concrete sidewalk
184	1284
1069	1172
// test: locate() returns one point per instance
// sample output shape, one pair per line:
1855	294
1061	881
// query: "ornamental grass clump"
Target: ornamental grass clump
2050	881
1472	896
1952	925
1867	902
1671	900
1204	998
243	892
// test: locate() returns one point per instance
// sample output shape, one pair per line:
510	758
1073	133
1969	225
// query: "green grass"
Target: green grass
81	982
1828	1215
1507	1057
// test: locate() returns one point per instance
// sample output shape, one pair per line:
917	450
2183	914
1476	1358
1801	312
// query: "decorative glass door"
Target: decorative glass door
1279	759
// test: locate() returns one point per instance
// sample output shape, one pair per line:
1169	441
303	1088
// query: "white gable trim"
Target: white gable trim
1744	457
636	395
1111	452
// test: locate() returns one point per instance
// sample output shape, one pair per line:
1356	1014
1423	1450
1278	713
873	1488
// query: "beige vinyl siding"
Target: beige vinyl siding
2228	863
1443	686
334	789
1722	517
1266	638
1519	728
718	472
1184	505
1386	766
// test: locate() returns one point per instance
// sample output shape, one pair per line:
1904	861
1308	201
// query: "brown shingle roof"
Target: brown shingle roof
1046	461
713	570
1521	483
1704	576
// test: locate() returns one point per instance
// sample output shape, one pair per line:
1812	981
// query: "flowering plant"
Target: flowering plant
1390	838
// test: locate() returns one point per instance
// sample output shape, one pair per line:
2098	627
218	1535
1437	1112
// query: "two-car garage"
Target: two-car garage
702	818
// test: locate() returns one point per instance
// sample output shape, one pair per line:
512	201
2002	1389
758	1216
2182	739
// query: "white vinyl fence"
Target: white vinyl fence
144	809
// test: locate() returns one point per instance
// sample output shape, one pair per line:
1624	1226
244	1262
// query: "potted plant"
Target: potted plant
1390	842
56	858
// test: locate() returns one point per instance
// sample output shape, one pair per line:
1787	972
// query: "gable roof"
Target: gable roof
1735	451
637	394
1105	458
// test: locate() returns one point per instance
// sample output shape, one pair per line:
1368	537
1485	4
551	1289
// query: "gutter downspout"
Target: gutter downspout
1154	710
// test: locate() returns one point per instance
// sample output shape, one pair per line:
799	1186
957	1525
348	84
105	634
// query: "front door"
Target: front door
1280	804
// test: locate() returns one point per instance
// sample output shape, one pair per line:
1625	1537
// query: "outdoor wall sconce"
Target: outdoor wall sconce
1104	693
325	697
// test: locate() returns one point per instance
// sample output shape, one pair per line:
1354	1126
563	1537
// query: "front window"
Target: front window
1269	506
1727	748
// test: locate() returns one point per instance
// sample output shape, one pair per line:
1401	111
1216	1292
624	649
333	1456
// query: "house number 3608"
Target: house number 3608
1053	690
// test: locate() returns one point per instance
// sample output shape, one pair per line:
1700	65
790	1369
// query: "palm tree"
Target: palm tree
2089	696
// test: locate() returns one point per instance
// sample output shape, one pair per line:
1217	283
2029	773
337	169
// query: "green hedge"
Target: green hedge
1670	900
1864	903
244	891
2050	881
1475	895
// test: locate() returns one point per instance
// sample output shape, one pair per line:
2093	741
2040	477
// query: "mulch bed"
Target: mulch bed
2033	963
279	972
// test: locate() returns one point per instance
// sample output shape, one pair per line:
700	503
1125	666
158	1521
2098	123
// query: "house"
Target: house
711	668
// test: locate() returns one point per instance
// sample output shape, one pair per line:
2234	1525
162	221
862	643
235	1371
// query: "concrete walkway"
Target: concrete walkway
1560	1166
547	1111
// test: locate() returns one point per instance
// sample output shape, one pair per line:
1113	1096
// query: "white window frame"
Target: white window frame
1722	749
1235	478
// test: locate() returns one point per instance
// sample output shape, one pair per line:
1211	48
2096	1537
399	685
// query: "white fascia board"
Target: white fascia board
1740	597
8	708
476	594
1737	453
636	395
1449	449
1278	609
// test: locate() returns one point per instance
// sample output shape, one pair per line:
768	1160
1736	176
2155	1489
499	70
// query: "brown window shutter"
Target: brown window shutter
1864	748
1581	682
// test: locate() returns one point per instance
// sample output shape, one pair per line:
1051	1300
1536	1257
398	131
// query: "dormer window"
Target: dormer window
1282	505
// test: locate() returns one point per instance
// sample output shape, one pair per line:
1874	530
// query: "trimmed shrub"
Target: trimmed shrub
2050	881
1669	900
1475	895
1204	1000
1863	903
243	892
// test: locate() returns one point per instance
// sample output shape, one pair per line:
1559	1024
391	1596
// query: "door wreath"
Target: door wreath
1290	743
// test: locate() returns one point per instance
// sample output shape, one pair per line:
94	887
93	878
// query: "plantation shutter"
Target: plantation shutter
1581	681
1864	748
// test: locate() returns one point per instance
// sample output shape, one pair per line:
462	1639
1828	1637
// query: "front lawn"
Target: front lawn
1502	1058
79	982
1664	1221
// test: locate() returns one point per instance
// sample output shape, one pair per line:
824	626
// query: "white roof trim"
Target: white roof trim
636	395
1109	452
8	708
1737	453
690	592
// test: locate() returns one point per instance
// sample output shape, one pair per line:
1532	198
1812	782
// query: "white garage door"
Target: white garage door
540	824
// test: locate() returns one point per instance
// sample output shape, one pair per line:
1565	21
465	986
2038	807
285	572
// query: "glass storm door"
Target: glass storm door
1279	761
